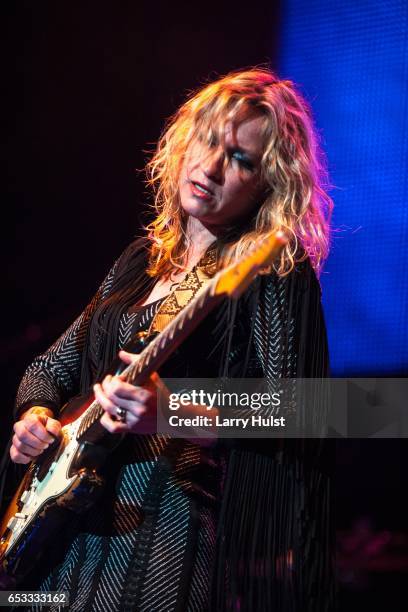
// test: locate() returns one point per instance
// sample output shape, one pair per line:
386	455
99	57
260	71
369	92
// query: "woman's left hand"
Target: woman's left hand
139	403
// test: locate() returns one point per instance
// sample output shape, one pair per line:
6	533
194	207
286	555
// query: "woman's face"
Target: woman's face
220	184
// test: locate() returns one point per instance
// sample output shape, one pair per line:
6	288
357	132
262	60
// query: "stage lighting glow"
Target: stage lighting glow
351	59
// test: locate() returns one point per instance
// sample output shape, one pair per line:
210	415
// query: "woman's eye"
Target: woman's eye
242	159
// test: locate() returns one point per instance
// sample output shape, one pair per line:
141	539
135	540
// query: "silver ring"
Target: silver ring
121	414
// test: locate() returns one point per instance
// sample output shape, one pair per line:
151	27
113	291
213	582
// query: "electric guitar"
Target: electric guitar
65	478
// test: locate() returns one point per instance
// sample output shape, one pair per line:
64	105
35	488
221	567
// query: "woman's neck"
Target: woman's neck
200	238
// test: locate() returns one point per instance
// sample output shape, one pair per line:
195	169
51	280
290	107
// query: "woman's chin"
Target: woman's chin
196	209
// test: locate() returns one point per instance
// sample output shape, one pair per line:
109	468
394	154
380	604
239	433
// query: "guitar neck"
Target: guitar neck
160	348
230	281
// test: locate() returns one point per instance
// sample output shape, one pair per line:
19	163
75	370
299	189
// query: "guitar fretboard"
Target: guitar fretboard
230	281
160	348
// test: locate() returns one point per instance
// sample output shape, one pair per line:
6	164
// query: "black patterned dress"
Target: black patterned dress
237	526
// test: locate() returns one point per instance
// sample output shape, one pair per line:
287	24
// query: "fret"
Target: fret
162	342
131	371
144	357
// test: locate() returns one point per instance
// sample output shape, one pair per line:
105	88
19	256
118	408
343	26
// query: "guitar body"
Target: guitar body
64	479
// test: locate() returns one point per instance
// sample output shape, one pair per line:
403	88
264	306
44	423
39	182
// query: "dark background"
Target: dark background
88	87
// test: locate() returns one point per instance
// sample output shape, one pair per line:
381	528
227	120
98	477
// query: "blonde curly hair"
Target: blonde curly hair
292	169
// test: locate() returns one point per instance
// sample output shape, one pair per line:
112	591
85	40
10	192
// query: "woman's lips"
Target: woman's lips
199	191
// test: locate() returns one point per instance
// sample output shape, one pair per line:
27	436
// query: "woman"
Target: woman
183	526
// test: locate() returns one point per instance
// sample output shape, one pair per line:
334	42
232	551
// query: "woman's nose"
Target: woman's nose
212	163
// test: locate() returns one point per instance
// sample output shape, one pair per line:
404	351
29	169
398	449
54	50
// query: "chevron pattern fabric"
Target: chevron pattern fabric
151	545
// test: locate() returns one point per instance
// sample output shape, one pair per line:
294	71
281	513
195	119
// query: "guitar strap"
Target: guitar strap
184	292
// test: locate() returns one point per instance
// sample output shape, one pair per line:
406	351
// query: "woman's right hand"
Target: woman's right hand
33	433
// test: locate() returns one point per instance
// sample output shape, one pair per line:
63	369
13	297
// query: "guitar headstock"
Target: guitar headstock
234	279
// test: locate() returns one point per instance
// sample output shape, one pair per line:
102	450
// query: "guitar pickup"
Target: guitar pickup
14	520
24	496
